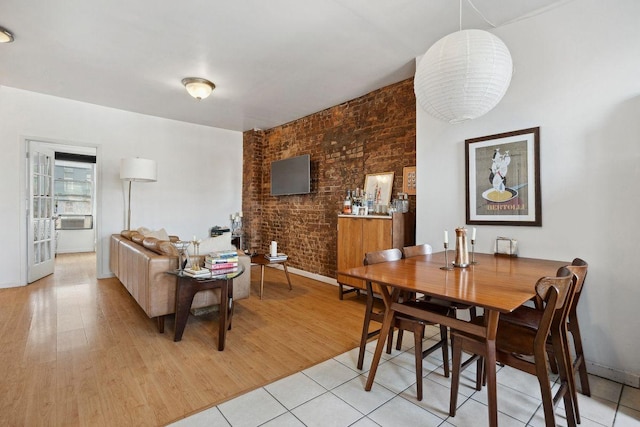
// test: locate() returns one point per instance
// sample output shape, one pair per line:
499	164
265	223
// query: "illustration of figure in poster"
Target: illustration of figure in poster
502	171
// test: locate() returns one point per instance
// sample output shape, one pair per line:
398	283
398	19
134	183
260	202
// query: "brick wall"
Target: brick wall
371	134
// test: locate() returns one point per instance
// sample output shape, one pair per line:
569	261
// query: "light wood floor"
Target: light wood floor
79	351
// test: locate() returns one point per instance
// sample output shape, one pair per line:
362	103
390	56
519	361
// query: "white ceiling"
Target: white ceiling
273	61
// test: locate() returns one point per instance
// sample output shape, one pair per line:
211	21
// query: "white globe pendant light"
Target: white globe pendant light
463	76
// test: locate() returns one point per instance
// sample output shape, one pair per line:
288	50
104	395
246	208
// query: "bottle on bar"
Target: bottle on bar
346	207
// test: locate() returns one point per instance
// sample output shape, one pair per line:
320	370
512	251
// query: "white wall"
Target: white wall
577	77
199	171
73	241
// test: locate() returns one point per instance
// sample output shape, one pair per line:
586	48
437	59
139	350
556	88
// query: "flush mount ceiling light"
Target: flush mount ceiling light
463	75
5	35
197	87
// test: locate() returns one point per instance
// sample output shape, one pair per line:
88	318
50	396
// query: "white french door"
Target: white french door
41	239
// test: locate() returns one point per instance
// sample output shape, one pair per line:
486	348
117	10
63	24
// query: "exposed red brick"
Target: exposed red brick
371	134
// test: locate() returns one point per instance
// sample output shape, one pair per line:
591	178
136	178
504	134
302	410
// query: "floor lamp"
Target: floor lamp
140	170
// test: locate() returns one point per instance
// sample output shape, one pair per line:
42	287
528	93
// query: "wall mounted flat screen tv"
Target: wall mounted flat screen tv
291	176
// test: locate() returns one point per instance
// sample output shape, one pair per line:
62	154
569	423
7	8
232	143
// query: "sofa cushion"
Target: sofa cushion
126	234
161	247
213	244
137	237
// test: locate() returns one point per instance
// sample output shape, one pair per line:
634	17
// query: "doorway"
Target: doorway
62	203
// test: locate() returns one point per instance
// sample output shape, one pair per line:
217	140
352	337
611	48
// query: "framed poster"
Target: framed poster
503	179
380	185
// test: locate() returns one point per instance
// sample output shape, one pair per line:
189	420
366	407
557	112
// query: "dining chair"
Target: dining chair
530	317
516	344
580	363
403	322
426	249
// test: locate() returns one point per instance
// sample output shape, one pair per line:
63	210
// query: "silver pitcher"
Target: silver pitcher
462	251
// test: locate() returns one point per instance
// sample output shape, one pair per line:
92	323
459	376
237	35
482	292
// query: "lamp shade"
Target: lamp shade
463	76
137	169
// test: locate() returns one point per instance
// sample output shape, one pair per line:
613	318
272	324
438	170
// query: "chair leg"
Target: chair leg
553	366
390	339
567	383
545	390
456	349
481	373
445	349
565	365
398	340
580	363
418	330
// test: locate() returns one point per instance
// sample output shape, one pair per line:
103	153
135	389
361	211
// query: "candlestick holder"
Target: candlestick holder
446	258
195	264
473	252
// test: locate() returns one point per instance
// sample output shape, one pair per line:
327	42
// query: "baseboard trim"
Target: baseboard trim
303	273
623	377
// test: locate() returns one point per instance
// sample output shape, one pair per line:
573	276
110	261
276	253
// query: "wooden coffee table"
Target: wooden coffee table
261	260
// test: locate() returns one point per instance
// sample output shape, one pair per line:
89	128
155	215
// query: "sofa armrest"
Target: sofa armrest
242	283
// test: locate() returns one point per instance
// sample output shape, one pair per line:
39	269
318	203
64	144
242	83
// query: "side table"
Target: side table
187	287
261	260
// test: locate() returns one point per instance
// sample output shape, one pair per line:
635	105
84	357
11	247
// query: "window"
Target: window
73	185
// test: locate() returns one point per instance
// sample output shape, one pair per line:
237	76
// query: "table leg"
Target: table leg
492	317
224	315
389	320
286	272
230	303
261	279
184	298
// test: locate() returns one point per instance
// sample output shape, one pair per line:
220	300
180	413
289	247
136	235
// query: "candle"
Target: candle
194	238
446	237
240	214
473	234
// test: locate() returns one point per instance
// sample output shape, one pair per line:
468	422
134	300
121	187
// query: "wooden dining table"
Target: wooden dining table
498	284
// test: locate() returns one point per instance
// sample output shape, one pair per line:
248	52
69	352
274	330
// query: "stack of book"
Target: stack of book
279	257
222	262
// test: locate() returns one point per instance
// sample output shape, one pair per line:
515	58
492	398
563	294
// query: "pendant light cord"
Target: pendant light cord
477	11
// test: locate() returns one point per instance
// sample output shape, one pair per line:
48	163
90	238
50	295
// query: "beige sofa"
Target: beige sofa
141	264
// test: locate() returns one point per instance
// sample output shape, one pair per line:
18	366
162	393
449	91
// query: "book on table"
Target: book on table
220	260
217	273
279	257
224	254
202	272
220	265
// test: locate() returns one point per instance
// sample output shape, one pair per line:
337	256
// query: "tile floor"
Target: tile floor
332	394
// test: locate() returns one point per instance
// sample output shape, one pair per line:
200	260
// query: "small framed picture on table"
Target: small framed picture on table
380	186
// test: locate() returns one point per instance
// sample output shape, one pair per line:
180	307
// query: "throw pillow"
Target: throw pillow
143	230
158	234
213	244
